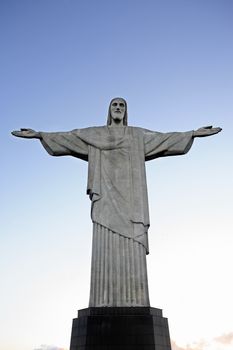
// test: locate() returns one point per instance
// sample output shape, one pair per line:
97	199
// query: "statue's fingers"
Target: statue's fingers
24	129
208	127
16	133
218	130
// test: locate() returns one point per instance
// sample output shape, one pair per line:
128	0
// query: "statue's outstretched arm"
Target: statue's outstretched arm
174	143
206	131
26	133
57	143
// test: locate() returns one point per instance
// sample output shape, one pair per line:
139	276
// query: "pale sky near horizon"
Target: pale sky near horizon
62	61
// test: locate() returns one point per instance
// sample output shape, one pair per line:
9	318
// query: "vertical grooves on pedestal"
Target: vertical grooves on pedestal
132	274
106	265
118	271
118	281
127	260
114	279
142	286
101	278
93	262
110	270
123	271
144	276
138	275
98	265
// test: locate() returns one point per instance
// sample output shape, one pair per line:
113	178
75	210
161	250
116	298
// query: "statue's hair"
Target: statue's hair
125	119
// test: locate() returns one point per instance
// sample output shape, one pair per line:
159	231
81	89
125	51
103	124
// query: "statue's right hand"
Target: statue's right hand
26	133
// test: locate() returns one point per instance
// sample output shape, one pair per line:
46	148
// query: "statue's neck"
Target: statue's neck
116	123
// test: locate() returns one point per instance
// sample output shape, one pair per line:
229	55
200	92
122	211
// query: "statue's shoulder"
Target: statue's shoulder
145	131
137	130
105	129
102	130
90	130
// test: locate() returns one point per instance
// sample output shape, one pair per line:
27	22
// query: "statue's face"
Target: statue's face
117	109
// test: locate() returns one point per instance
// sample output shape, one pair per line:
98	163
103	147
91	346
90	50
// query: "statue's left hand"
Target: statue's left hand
206	131
26	133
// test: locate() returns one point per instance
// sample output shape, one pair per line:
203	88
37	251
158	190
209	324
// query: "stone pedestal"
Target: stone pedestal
120	328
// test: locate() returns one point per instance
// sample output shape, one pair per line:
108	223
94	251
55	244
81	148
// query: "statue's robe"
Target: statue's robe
118	191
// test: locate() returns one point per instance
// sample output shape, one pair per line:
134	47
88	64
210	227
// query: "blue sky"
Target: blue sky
61	63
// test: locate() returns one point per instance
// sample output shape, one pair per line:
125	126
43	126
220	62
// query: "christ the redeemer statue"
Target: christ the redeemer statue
116	155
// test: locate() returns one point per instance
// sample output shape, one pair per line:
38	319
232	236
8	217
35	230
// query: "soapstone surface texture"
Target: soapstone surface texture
118	192
116	155
119	314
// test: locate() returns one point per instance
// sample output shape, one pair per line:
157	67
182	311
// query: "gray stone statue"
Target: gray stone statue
116	155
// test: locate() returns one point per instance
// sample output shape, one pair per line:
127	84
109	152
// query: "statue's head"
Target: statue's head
117	111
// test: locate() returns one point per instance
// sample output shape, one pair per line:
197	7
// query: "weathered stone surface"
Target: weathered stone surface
116	154
117	188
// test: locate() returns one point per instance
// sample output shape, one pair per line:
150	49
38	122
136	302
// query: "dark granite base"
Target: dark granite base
122	328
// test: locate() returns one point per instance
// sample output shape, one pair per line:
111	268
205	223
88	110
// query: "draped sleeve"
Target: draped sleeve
158	144
65	144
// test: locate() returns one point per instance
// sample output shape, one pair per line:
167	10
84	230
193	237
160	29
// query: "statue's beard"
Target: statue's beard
117	120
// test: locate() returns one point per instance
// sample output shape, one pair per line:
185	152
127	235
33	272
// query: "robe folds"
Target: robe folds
117	188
